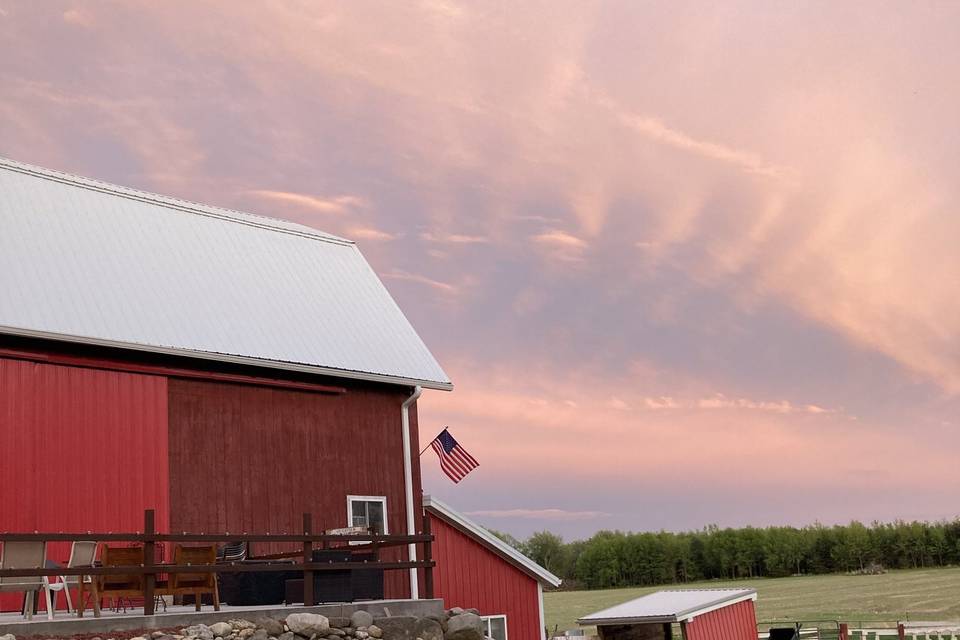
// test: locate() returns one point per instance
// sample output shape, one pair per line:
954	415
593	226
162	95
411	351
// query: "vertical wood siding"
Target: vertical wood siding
80	450
736	622
247	458
470	575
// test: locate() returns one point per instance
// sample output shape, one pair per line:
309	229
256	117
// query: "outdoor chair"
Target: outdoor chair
82	554
24	555
117	586
233	552
196	584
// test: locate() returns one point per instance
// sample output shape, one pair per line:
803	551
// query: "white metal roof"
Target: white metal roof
85	261
499	546
669	606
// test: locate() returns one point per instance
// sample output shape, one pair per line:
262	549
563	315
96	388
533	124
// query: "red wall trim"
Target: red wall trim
173	372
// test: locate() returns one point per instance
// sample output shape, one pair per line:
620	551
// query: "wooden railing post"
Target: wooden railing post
427	558
307	559
901	631
149	578
844	631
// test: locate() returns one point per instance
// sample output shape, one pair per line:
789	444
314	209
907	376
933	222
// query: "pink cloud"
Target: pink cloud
437	285
369	233
453	238
337	204
538	514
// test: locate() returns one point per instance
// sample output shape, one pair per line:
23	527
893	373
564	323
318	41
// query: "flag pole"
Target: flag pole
431	442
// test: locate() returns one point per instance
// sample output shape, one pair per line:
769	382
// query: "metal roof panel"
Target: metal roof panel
668	606
84	261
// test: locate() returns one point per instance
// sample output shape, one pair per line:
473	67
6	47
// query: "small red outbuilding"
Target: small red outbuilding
477	569
703	614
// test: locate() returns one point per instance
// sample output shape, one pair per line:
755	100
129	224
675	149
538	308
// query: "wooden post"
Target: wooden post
427	557
844	631
307	558
901	631
668	631
149	578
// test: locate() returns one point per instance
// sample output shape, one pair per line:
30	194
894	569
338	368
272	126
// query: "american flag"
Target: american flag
454	459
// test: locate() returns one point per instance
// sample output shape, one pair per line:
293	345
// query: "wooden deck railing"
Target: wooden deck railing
149	538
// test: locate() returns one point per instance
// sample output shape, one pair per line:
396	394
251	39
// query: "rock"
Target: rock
336	633
397	627
201	631
361	618
455	611
375	631
442	619
271	626
138	638
221	629
287	635
308	624
260	634
242	624
466	626
361	634
428	629
157	634
8	636
243	634
475	612
339	622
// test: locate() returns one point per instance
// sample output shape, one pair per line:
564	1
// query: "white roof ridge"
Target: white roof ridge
170	202
546	577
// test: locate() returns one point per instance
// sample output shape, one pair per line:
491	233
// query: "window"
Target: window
367	512
496	627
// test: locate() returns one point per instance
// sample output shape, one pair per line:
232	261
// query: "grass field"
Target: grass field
919	594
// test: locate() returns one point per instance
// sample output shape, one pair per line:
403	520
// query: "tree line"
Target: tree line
625	559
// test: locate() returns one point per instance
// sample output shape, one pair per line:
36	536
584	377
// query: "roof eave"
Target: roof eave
232	359
584	622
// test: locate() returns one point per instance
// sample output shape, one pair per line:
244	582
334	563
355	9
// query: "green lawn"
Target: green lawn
920	594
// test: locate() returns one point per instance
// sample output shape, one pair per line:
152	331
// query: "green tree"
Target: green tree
547	550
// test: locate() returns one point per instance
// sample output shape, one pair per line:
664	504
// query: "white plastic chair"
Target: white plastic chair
82	554
23	555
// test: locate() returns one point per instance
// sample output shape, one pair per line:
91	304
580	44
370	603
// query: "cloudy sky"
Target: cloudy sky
685	263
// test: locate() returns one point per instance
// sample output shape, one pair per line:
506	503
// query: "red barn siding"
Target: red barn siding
248	458
80	449
736	622
470	575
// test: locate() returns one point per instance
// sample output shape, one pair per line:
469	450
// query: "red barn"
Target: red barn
477	569
230	370
702	614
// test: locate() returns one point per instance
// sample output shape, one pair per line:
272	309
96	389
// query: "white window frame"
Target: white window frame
506	629
381	499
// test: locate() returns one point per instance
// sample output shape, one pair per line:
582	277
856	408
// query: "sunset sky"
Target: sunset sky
685	263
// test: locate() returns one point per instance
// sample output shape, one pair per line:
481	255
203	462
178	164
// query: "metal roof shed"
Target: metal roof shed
703	614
